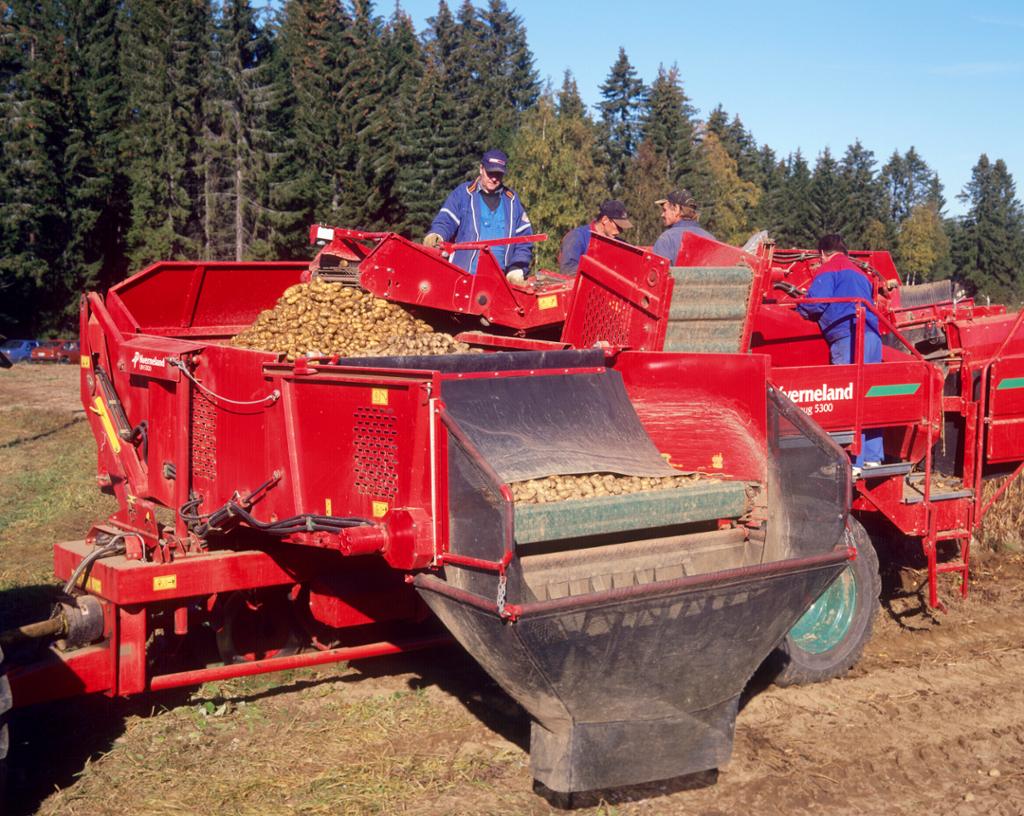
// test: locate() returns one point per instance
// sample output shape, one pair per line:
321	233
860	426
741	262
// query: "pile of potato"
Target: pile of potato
323	319
589	485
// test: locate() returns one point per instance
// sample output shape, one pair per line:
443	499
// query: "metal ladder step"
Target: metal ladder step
948	496
882	471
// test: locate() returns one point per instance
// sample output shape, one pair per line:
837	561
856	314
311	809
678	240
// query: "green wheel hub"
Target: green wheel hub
828	621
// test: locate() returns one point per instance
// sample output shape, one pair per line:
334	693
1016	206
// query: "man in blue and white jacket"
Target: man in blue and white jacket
484	209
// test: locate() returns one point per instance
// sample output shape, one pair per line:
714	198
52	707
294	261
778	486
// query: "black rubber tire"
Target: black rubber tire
270	632
5	706
794	666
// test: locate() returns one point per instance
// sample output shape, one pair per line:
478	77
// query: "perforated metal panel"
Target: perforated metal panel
204	438
375	452
606	317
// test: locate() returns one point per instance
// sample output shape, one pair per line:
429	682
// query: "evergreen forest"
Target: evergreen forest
138	130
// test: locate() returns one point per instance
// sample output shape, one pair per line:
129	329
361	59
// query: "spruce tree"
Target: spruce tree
429	162
647	180
509	83
991	246
668	128
798	227
725	199
862	208
907	181
166	69
570	103
826	196
623	99
770	212
96	150
553	168
34	223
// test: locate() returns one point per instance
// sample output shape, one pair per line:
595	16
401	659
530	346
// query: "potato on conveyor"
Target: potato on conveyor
589	485
326	319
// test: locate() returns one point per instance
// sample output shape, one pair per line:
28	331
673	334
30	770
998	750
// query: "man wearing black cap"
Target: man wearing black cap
483	209
611	220
679	215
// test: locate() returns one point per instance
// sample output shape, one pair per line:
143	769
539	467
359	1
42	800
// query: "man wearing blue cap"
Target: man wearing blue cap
611	220
484	209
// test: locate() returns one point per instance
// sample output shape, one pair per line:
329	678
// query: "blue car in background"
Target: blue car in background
18	350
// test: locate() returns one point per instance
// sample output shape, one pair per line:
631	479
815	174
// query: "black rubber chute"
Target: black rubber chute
537	426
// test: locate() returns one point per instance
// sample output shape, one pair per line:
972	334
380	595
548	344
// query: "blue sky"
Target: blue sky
945	77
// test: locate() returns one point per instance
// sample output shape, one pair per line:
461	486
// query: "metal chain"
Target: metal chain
502	582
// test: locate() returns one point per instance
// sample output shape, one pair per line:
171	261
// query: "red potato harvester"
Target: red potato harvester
949	396
274	515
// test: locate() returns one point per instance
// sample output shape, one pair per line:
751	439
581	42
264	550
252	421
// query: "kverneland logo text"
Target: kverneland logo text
144	363
825	393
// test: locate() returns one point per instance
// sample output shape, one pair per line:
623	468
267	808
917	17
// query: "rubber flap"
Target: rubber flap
531	427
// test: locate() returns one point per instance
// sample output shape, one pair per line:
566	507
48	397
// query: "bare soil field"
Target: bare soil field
931	720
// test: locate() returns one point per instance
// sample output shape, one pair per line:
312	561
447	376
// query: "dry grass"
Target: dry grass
1003	527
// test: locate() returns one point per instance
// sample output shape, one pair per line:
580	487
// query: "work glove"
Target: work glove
432	240
516	274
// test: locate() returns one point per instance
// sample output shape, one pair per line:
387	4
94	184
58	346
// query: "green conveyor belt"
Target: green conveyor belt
709	305
634	511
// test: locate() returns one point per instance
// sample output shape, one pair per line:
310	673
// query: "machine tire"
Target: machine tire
5	706
257	625
830	638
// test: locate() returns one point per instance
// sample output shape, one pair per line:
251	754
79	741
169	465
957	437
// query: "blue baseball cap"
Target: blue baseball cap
494	161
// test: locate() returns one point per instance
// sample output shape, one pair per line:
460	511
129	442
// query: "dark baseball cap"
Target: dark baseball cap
681	198
494	161
616	211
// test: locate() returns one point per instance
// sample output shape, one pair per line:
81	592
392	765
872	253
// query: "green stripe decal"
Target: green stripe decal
1010	382
896	390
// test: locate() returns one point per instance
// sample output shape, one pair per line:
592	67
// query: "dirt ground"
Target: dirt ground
931	720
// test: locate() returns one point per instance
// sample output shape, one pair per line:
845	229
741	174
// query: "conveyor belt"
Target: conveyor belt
709	307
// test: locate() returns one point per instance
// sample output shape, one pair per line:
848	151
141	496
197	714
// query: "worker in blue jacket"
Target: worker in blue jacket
837	277
484	209
611	220
679	215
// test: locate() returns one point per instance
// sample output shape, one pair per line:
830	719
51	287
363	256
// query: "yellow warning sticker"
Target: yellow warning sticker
717	461
94	585
165	582
379	396
547	302
327	506
85	362
380	509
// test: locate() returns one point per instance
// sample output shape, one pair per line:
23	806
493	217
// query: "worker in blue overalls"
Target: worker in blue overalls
484	209
838	277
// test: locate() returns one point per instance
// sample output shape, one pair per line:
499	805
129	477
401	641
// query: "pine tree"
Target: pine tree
429	162
509	80
34	225
624	97
826	197
95	153
646	181
668	128
907	182
165	65
724	197
862	207
239	142
924	246
570	103
991	246
798	225
402	65
770	212
555	173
